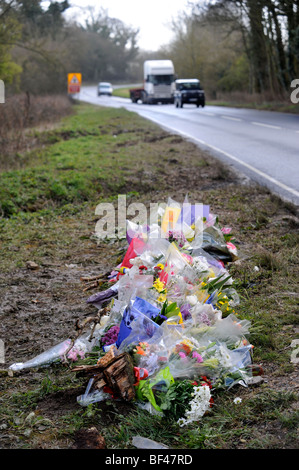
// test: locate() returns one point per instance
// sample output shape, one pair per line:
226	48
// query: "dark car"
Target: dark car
188	91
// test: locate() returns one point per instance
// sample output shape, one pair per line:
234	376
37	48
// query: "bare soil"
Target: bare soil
39	307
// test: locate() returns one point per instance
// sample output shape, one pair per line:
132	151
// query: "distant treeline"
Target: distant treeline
239	45
38	47
249	46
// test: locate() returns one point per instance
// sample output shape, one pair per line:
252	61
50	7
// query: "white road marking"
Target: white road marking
231	118
232	157
265	125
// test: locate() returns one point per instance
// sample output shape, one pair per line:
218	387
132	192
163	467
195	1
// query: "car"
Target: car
105	88
188	91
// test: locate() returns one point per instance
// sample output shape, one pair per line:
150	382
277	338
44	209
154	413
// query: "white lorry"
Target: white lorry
158	83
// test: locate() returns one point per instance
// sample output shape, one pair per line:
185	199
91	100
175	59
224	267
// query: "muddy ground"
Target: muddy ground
39	307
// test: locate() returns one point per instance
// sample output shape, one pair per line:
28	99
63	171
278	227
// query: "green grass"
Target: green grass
74	168
48	215
267	106
122	92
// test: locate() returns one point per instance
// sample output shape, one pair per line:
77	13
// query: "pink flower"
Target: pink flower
198	357
231	245
183	356
82	354
226	230
73	355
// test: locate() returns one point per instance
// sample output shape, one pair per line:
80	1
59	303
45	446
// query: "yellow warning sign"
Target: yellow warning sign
74	81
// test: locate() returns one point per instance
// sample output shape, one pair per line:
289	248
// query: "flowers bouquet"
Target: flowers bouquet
172	309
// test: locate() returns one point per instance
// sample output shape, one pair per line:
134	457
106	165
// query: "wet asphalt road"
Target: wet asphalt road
263	145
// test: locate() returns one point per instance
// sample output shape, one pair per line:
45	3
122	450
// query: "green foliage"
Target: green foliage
47	47
236	76
175	401
10	32
168	311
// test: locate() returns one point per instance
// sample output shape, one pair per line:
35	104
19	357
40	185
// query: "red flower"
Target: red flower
207	381
183	347
142	267
109	390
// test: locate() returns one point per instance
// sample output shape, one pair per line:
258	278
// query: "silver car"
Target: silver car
105	88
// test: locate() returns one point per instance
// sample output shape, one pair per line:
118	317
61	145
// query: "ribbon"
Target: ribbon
140	373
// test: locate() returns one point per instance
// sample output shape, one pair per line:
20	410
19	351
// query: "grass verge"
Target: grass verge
48	216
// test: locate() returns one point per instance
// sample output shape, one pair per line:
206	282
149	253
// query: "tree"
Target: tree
10	31
210	50
116	45
273	56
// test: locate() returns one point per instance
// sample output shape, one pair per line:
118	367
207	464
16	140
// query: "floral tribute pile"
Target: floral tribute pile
171	307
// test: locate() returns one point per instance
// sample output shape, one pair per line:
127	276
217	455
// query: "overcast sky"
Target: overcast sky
152	17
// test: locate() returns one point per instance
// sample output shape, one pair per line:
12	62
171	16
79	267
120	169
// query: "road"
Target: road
263	145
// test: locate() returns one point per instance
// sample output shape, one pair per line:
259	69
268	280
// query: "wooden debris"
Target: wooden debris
120	377
114	371
93	281
100	384
79	326
109	356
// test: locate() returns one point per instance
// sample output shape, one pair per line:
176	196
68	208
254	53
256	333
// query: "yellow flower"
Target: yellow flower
161	266
181	318
158	285
162	298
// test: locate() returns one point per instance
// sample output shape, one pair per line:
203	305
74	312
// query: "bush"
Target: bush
21	112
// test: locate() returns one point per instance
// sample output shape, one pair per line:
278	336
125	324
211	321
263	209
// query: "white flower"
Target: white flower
188	233
192	300
199	405
136	261
224	356
237	401
200	264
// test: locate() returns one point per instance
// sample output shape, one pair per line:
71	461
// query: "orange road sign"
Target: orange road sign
74	81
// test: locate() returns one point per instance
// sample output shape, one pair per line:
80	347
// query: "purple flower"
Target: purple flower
110	336
185	311
174	235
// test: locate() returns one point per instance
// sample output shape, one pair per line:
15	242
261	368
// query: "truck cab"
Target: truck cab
188	91
159	81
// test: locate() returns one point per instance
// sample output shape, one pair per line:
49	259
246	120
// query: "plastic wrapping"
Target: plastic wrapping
65	351
145	443
146	388
137	324
172	306
171	216
58	353
93	396
100	298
